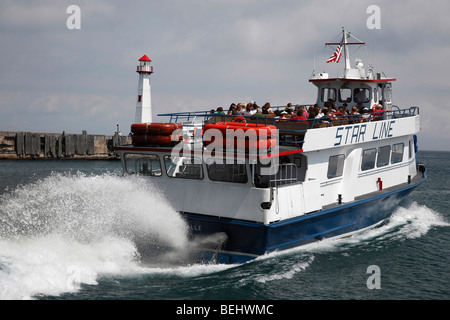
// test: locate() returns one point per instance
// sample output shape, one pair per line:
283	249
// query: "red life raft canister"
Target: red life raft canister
263	134
154	133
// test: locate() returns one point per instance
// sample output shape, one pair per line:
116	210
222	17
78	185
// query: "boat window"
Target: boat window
328	93
411	146
383	156
368	159
361	95
233	172
397	153
345	95
335	166
183	167
145	164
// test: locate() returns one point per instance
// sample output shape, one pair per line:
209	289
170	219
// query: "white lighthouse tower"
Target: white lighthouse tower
144	99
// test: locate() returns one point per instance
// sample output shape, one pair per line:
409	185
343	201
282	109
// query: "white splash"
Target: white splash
67	230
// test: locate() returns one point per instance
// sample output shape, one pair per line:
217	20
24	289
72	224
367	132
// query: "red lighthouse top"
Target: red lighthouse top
145	58
144	65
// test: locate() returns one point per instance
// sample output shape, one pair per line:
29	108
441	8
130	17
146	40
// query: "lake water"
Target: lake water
67	231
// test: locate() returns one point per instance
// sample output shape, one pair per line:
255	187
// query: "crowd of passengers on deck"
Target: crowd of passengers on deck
329	114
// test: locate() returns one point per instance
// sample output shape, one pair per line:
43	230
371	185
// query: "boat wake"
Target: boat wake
409	222
66	231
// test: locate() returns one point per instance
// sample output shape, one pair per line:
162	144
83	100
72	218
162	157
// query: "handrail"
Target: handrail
296	133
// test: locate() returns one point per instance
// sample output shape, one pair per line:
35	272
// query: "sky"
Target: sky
207	54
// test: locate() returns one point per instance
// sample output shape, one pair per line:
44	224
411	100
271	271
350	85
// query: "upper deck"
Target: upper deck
306	134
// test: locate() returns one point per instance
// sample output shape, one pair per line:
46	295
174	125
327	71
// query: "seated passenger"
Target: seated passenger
377	112
280	115
340	112
364	114
327	118
239	110
266	108
354	115
219	111
232	109
249	110
300	116
290	113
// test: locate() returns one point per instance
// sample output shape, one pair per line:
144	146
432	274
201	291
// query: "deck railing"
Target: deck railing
291	132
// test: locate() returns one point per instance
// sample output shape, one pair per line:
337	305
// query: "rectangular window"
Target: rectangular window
145	164
335	166
383	156
183	167
139	98
328	93
345	95
361	95
368	159
397	153
235	172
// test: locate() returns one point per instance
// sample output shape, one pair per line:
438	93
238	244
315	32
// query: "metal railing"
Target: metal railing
292	132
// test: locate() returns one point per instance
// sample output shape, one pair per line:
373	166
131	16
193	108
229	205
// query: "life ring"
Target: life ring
239	119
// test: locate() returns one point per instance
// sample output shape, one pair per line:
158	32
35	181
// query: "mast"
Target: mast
347	55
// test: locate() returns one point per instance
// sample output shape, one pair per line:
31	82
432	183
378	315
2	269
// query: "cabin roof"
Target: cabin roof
353	80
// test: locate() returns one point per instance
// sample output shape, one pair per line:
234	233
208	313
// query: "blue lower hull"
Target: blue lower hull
247	240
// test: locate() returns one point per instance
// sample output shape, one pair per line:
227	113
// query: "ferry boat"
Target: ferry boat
262	183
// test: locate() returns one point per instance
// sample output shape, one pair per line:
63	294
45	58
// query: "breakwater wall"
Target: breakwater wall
32	145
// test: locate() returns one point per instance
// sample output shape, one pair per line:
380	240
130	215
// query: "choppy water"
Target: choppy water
68	230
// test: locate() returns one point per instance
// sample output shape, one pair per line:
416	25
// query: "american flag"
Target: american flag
337	54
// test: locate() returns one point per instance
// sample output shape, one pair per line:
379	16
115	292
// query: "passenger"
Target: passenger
312	115
377	112
290	113
258	113
365	114
326	118
288	107
300	117
281	115
354	115
360	107
232	109
340	112
320	114
266	109
345	106
316	110
303	110
333	109
249	110
238	109
219	111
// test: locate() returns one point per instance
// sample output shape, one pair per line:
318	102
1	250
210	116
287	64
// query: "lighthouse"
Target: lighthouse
144	98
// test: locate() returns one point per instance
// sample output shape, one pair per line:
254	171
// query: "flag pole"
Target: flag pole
347	56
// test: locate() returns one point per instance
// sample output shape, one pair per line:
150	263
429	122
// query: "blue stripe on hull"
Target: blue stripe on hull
246	240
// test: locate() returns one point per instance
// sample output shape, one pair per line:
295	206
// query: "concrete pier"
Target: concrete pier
32	145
